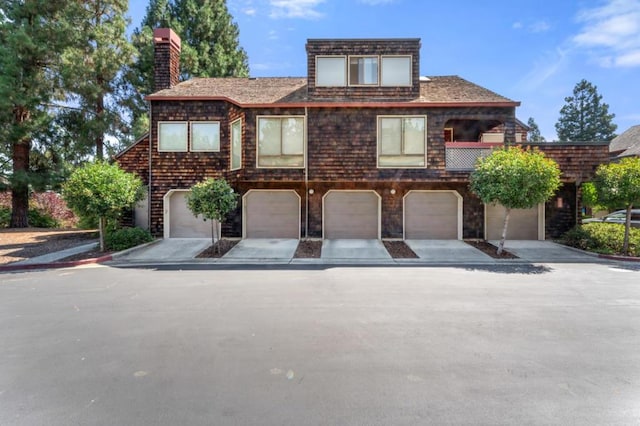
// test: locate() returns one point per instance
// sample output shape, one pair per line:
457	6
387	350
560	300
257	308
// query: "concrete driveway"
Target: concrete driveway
447	251
264	249
340	250
167	250
545	251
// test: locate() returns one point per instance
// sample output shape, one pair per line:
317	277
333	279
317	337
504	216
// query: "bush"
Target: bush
606	238
124	238
5	217
41	219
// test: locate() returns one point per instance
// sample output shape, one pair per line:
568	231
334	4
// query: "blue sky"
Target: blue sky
521	49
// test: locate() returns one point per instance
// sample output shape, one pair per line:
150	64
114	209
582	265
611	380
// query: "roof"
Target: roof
438	90
627	144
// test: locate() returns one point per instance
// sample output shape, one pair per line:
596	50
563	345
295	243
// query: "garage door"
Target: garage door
523	224
181	222
351	214
271	214
433	215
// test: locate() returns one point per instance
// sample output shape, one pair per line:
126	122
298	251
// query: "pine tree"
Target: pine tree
210	47
92	69
585	117
33	33
534	131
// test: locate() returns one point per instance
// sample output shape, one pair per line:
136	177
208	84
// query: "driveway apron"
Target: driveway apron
447	251
354	249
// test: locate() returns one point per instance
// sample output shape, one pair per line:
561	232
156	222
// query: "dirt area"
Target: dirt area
308	249
25	243
490	249
399	250
219	249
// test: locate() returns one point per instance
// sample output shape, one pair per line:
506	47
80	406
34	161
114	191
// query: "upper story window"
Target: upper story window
281	142
402	141
172	136
396	71
331	71
205	136
363	70
236	144
385	70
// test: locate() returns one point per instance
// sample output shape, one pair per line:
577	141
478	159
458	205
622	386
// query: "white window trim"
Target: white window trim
380	74
376	84
231	144
378	141
304	142
190	136
346	69
186	141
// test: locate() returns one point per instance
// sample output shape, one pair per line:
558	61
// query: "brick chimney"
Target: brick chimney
166	58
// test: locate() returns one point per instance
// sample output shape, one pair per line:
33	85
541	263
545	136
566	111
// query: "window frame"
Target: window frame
379	141
191	138
304	141
345	58
186	134
376	84
381	71
231	149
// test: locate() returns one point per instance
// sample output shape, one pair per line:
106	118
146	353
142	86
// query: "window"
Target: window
363	70
236	145
396	70
401	141
172	136
281	142
205	136
331	71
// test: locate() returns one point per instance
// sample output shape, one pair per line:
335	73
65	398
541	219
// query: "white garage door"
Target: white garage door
271	214
181	222
351	214
433	215
524	224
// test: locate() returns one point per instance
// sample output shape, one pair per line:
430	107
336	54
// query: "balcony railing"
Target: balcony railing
463	155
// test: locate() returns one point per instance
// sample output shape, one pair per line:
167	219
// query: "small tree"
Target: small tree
618	186
534	131
214	199
101	190
515	178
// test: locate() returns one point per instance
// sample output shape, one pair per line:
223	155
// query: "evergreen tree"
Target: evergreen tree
91	72
33	33
534	131
210	47
585	117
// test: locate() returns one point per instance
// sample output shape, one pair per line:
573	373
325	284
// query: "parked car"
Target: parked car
618	216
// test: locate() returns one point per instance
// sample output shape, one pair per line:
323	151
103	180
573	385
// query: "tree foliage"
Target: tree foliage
516	179
214	199
618	187
101	190
92	71
534	131
32	35
584	117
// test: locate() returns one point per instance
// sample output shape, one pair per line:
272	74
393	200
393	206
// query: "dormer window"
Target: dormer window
396	71
363	70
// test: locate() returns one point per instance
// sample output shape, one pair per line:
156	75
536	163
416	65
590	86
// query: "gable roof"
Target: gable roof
627	144
269	91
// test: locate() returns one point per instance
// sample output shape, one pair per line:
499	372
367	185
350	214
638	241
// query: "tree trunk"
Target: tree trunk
100	136
101	226
20	185
627	226
507	212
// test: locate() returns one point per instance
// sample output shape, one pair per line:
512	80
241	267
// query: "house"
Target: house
362	147
626	145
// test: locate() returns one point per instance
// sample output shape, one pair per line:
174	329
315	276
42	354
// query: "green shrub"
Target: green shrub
124	238
5	217
606	238
41	219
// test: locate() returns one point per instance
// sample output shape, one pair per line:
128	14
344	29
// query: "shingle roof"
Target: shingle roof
291	90
628	143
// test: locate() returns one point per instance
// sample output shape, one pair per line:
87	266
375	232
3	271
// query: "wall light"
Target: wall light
392	192
311	191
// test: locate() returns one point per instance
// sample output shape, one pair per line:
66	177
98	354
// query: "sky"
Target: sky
531	51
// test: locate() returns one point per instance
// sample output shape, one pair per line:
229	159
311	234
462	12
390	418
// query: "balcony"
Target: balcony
462	156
